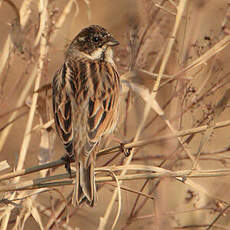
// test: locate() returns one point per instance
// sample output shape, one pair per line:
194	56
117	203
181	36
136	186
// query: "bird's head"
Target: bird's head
95	42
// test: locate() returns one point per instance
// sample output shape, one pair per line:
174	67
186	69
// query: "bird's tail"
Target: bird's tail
85	187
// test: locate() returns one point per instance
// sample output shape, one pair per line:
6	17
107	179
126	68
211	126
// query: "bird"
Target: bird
86	94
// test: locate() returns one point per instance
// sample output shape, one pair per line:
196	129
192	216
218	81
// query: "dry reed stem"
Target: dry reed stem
220	214
137	143
27	136
172	213
173	3
146	172
198	226
151	97
20	102
176	134
180	10
156	107
104	221
125	188
7	49
165	9
5	53
219	108
28	86
38	72
59	23
53	217
110	150
127	162
204	83
4	165
62	18
24	13
41	62
217	48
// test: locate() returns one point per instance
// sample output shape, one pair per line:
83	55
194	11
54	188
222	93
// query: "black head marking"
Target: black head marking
91	38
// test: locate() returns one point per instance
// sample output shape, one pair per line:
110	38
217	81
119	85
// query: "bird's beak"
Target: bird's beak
112	42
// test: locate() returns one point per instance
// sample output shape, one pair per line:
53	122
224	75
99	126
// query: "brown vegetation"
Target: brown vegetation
174	122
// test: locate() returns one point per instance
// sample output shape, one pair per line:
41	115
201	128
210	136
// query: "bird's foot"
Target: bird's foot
67	161
125	150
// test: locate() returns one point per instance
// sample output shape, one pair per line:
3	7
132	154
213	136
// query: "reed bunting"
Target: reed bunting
85	104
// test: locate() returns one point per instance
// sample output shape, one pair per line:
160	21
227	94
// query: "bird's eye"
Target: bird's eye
96	38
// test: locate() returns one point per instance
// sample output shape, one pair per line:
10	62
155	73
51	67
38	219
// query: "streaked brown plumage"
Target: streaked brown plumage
85	103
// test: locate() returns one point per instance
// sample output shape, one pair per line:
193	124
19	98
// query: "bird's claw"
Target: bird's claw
67	161
126	151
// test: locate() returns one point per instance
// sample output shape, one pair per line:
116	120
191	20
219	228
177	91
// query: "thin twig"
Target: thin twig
217	218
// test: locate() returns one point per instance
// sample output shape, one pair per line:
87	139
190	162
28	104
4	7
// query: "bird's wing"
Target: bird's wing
63	110
95	84
103	105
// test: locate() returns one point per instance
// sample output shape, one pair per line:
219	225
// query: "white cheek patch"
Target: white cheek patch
109	55
104	53
97	54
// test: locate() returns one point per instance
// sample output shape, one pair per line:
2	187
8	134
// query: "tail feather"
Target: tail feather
85	187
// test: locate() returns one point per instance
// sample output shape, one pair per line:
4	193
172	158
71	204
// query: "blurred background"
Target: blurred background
192	93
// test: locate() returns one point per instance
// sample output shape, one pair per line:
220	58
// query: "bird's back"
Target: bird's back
94	89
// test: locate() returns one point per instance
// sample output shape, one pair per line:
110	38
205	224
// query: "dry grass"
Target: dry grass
174	120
